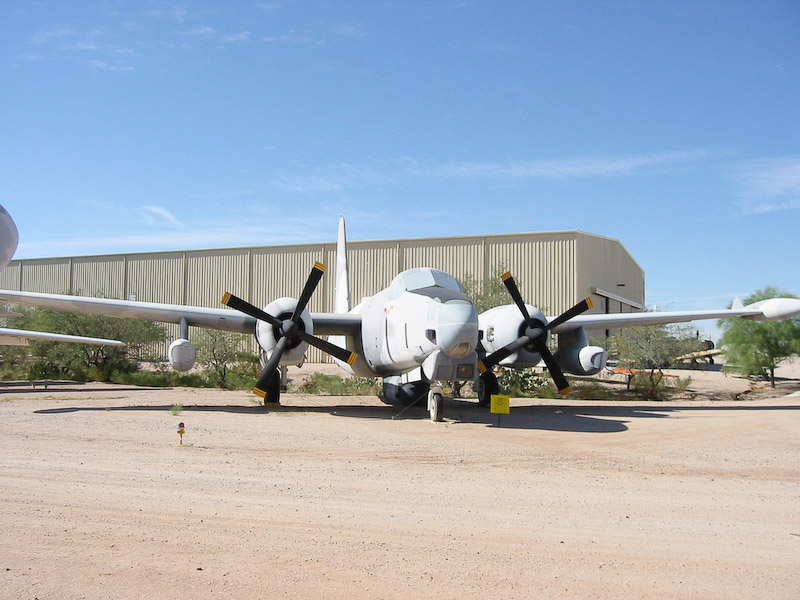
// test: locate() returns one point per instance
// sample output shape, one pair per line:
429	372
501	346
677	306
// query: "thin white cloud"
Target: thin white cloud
292	37
150	212
236	37
769	185
349	30
590	166
394	171
198	31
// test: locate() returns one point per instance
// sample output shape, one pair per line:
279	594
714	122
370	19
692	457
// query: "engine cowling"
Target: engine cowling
181	355
267	335
503	325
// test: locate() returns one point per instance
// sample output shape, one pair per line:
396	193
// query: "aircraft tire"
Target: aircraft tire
435	406
487	387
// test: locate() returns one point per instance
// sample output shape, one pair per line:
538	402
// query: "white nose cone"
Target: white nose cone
457	328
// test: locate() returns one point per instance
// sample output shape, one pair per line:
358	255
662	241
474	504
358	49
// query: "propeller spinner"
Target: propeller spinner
288	331
536	334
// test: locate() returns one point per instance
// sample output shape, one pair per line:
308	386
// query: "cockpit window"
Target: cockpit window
418	279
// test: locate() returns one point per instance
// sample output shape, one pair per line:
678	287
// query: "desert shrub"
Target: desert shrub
321	384
161	379
524	383
592	390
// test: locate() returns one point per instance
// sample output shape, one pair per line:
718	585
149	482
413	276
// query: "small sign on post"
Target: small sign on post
500	406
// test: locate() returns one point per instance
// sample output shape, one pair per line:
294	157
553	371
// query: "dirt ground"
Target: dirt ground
332	497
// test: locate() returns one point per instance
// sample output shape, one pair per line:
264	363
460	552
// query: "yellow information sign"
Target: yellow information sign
500	404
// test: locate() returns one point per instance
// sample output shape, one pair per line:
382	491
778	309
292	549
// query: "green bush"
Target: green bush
525	383
161	379
333	385
592	390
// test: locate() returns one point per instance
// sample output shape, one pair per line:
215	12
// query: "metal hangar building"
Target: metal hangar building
554	270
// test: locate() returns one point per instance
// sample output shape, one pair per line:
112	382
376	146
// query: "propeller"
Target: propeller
290	330
535	333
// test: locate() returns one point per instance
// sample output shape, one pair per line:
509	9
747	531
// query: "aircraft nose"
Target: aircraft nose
457	328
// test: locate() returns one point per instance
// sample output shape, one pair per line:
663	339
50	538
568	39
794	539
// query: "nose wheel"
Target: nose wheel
435	406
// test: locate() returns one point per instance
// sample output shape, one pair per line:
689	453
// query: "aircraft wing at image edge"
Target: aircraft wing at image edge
21	337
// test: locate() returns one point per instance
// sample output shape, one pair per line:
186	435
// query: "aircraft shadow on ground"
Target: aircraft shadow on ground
14	387
579	419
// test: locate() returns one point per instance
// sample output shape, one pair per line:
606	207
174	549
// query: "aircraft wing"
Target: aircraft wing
20	337
766	310
224	319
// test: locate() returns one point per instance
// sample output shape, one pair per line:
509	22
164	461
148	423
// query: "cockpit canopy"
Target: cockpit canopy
421	279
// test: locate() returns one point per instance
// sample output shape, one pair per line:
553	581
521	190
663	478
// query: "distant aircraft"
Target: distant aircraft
9	238
418	332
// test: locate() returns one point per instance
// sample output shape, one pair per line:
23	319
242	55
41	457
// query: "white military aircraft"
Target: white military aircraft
418	332
9	238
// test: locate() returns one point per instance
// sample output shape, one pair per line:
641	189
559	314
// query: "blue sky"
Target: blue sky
671	126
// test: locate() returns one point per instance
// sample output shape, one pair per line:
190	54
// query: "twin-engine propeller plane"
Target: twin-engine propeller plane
420	331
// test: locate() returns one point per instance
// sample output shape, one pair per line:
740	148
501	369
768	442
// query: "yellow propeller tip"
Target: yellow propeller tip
226	298
260	393
566	391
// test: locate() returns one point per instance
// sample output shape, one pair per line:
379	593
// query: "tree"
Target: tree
81	361
653	349
490	292
755	347
225	357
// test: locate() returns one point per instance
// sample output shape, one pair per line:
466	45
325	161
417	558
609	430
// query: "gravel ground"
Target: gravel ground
332	497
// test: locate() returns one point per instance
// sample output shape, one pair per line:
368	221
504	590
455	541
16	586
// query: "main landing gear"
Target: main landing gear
487	387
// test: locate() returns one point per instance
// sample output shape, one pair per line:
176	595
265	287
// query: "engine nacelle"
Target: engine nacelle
267	335
181	354
576	356
502	325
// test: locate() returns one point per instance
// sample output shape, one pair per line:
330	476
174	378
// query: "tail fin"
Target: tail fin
342	303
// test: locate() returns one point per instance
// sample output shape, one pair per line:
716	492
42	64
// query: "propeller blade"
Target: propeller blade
311	284
579	308
556	373
270	370
498	355
244	306
325	346
511	286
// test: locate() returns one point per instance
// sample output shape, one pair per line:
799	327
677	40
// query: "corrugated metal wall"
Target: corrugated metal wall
49	275
554	270
605	263
99	276
544	268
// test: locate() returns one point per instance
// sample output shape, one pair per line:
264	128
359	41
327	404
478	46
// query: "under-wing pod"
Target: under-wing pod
576	356
268	334
181	354
776	309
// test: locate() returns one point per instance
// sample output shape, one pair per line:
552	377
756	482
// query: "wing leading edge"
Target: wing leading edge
223	319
